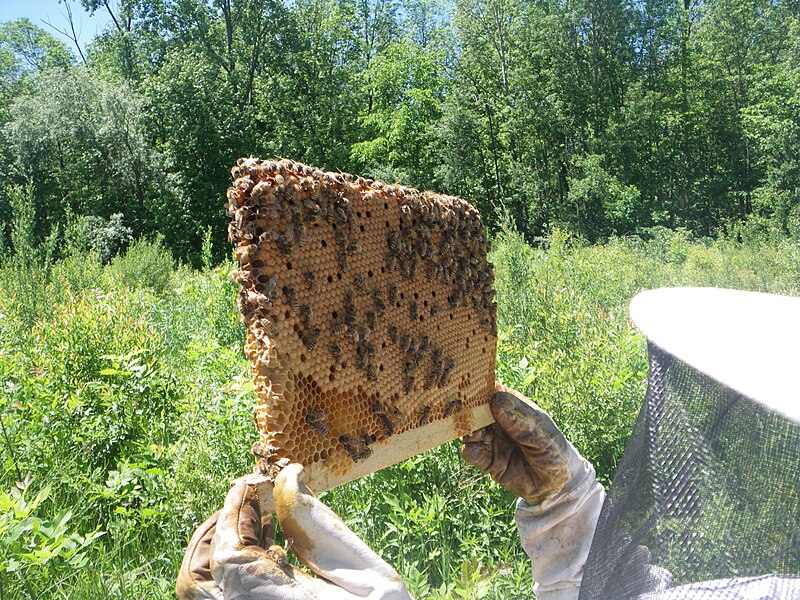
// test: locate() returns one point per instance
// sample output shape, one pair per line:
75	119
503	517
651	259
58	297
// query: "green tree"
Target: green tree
407	88
81	142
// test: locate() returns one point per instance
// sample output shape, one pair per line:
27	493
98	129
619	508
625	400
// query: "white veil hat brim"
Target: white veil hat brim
748	341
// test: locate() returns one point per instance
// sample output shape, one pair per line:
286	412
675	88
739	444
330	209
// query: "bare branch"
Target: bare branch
113	16
71	34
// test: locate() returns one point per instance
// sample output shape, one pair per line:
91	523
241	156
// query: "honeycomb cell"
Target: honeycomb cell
369	309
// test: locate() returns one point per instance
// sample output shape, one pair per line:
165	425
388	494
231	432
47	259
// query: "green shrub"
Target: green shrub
106	237
146	264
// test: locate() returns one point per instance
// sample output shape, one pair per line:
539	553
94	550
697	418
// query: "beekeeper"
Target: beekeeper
524	451
232	555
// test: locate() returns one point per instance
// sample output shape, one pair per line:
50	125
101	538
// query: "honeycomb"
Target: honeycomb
369	311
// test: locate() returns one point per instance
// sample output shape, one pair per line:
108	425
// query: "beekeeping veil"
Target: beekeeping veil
706	500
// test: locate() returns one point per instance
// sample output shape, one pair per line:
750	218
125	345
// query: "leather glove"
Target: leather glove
560	499
232	555
523	450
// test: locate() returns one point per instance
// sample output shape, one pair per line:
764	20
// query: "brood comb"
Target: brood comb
370	317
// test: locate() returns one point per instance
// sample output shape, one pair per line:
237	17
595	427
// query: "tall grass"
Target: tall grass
125	406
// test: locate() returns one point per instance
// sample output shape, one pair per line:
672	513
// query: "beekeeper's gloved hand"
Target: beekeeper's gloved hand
232	556
560	499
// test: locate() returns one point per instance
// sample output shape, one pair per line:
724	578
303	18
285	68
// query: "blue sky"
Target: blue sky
39	11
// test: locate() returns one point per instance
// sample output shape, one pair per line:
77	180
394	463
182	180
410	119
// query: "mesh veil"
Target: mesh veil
708	489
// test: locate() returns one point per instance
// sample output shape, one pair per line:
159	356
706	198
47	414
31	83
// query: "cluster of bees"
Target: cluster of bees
358	447
416	350
308	197
452	244
277	209
360	334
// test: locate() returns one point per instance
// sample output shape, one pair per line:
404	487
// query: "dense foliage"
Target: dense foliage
595	116
125	407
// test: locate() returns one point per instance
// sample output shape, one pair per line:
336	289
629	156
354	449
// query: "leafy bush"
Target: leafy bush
31	544
146	264
106	237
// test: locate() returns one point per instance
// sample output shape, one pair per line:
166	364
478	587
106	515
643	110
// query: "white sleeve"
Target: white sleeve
765	587
557	533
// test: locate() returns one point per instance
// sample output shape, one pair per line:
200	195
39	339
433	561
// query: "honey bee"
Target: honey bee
435	309
352	332
358	282
391	263
339	329
311	338
263	450
372	372
420	355
353	247
272	289
349	309
413	310
248	251
456	298
311	206
355	447
340	214
438	365
398	416
336	351
314	420
392	294
379	410
291	296
380	306
362	455
452	407
433	270
388	425
423	417
445	374
343	264
410	365
302	235
405	343
361	358
371	320
254	298
409	384
307	311
392	331
394	243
